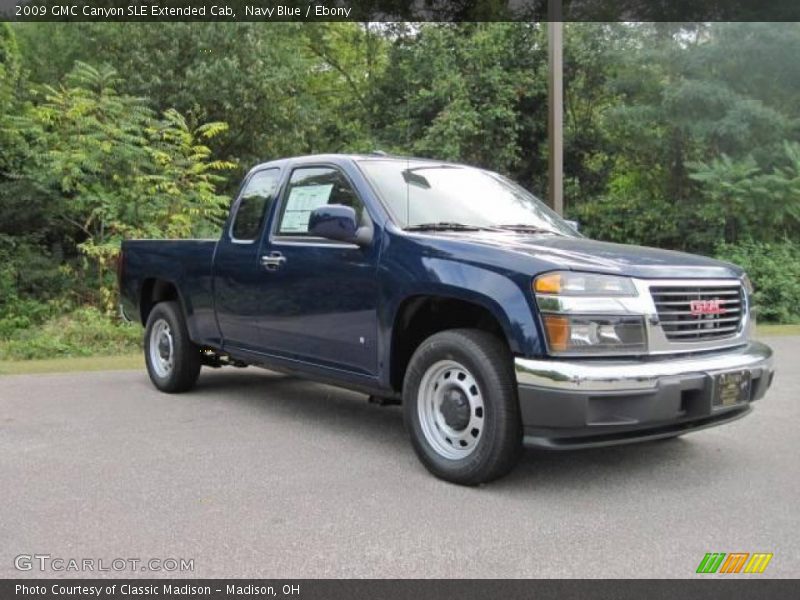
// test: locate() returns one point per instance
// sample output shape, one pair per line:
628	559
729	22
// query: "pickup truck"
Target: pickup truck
455	292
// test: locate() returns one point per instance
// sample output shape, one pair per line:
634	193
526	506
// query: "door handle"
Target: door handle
273	261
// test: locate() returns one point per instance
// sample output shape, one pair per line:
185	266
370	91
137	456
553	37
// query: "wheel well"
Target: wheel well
153	292
420	317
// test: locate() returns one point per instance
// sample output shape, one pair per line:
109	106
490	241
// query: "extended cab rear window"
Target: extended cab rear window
254	204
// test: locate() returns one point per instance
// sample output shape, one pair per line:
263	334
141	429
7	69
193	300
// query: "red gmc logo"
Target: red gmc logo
706	307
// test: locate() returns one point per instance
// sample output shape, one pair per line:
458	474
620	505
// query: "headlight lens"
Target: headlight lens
569	332
570	283
589	334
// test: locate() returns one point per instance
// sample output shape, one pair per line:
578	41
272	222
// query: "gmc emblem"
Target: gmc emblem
706	307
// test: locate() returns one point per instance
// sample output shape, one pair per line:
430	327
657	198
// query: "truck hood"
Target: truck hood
583	254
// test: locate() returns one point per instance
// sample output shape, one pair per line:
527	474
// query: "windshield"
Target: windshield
423	194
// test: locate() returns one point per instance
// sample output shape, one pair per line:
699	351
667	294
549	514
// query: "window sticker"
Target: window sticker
302	200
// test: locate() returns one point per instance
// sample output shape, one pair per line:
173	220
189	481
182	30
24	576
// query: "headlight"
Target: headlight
569	283
569	327
589	334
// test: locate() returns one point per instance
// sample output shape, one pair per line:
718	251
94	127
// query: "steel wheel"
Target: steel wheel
460	406
162	348
450	407
173	360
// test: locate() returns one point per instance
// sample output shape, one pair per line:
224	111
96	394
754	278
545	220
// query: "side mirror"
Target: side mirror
338	222
574	224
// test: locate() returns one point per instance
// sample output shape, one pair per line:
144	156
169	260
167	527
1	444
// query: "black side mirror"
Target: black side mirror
338	222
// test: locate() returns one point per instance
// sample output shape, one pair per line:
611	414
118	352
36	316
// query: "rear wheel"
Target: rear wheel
173	361
460	406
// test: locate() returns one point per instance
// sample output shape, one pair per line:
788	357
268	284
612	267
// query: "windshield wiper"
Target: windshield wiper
444	226
522	227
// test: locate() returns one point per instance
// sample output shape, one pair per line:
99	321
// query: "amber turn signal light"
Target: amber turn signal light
548	284
557	328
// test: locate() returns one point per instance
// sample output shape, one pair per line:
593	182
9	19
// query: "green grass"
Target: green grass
770	329
83	332
69	365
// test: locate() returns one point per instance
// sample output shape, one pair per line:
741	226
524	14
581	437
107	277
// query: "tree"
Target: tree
744	202
343	92
9	65
677	97
272	83
470	92
114	169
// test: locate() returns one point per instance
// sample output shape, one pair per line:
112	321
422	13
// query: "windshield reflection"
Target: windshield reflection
438	196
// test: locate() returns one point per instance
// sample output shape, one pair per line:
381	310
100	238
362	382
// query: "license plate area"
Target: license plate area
731	389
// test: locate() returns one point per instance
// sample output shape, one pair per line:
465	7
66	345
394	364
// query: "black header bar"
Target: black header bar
400	10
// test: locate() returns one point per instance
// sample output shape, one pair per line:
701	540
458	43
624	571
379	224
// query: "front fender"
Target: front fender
501	295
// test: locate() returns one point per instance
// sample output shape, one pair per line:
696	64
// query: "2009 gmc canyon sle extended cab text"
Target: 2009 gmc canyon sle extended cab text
455	291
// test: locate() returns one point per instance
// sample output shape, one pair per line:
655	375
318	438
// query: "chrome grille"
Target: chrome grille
683	324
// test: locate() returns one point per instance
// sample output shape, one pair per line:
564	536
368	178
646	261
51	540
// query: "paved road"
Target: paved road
257	474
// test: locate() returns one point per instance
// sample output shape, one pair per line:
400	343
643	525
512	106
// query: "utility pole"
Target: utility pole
555	105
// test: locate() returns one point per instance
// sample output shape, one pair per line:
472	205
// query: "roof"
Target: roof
354	157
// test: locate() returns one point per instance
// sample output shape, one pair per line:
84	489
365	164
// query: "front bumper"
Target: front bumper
569	404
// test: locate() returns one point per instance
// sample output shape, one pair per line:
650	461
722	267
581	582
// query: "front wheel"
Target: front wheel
173	361
460	406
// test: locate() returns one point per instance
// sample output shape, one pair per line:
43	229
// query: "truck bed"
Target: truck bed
188	263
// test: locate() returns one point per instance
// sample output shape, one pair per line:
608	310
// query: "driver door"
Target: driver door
315	300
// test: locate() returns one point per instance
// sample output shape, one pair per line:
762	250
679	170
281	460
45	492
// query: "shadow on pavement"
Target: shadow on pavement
689	461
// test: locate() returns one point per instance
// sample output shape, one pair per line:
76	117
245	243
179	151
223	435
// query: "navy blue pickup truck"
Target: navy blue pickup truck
453	291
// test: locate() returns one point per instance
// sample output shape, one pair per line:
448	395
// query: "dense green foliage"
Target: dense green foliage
776	265
83	332
112	169
683	137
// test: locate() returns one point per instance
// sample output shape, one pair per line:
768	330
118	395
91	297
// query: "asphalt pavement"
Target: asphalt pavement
256	474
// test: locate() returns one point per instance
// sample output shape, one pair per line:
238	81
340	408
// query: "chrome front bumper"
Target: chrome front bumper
580	403
625	375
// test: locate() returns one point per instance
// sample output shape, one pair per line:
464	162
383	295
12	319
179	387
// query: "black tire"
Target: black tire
185	363
489	363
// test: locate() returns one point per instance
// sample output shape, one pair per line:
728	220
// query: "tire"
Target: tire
173	361
460	406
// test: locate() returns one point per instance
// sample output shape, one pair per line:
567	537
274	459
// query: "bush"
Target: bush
630	220
23	313
84	332
774	269
35	285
